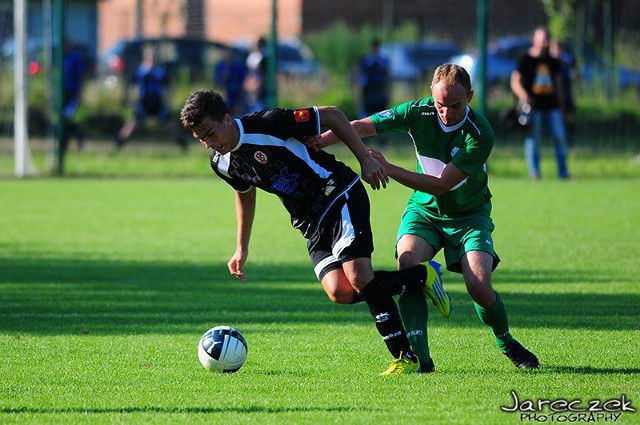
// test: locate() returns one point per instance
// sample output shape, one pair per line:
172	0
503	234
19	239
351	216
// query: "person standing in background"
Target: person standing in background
255	83
374	81
229	75
569	73
152	81
73	75
537	82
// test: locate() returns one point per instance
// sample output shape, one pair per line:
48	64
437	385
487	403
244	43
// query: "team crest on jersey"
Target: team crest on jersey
260	157
301	115
387	113
454	151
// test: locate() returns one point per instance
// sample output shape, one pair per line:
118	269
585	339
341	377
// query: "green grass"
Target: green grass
106	286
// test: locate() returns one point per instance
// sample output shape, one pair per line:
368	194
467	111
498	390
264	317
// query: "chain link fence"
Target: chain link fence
325	41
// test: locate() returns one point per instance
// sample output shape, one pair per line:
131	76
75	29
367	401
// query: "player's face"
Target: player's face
219	136
451	102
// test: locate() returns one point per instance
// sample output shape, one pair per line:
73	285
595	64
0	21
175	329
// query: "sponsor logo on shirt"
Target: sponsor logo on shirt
285	183
301	115
388	113
260	157
329	187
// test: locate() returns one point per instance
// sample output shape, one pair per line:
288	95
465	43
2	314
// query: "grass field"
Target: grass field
107	284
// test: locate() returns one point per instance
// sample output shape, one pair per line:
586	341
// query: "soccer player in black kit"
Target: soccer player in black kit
325	198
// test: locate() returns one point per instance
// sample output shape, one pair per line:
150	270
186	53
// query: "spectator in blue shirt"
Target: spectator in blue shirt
152	82
374	81
230	73
73	75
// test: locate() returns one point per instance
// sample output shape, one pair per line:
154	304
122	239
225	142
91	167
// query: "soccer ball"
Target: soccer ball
222	349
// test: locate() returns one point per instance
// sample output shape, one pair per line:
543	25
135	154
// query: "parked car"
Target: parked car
195	56
294	58
416	60
503	55
35	53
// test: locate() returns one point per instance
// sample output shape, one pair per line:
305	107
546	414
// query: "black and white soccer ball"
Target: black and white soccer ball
222	349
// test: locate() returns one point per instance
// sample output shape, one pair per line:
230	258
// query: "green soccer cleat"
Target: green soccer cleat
401	366
433	289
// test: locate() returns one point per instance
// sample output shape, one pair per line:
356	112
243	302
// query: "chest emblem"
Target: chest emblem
260	156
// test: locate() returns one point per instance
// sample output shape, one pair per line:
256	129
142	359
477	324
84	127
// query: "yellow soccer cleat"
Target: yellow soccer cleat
401	366
434	289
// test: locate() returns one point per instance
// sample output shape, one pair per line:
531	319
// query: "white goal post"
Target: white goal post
22	153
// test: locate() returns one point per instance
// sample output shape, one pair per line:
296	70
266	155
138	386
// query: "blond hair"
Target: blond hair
451	74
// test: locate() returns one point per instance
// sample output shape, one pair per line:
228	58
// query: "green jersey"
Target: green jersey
466	145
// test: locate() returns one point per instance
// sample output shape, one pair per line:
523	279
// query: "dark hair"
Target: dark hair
201	104
452	74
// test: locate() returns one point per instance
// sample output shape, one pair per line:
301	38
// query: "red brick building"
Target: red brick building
220	20
246	20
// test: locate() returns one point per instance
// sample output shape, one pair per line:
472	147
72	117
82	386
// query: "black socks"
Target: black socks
385	312
398	281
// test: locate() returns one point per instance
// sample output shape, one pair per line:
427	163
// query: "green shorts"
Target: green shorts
456	235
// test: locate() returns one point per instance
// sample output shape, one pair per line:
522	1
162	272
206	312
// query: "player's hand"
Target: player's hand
236	265
374	173
315	142
377	155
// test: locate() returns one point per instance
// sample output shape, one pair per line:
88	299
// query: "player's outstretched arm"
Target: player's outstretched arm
435	185
245	213
371	171
363	127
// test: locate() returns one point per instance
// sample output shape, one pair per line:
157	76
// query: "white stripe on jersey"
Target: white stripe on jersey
260	139
223	164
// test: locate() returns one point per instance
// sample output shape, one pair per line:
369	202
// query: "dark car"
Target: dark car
196	57
416	60
503	55
294	59
36	49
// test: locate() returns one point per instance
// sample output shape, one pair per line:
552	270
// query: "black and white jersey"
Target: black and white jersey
271	156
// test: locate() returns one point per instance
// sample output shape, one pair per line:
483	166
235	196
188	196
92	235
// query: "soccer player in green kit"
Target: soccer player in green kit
450	208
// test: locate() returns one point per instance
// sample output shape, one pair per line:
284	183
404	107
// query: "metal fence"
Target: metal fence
603	36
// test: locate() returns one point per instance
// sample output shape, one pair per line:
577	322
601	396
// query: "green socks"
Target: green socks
414	312
496	319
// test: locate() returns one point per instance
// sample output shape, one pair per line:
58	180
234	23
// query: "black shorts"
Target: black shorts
344	233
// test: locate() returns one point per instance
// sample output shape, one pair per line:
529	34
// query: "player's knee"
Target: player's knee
341	297
407	259
337	287
481	292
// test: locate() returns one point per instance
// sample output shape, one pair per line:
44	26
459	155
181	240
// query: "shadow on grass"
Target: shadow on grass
179	410
588	370
76	296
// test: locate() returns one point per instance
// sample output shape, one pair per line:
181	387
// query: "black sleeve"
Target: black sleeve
284	123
